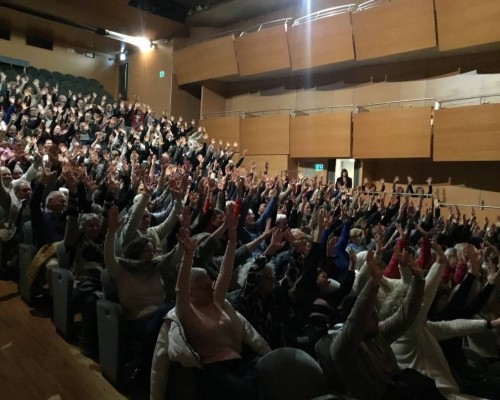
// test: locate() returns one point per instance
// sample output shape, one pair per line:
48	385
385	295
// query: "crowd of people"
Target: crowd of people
240	263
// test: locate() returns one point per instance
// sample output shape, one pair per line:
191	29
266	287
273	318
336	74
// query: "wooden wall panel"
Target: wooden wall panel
225	128
266	135
262	51
321	42
393	28
403	133
321	135
277	163
467	133
464	23
208	60
211	102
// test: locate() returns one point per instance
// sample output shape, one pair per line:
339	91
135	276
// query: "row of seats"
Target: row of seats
110	315
66	82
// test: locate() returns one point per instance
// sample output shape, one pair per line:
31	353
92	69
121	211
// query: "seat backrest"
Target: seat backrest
109	287
62	256
322	350
27	233
290	374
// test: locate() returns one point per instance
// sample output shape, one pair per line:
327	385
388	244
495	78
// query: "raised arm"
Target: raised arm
130	230
169	223
397	324
182	303
226	271
110	260
355	328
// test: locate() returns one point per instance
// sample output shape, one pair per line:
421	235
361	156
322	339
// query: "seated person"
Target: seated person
361	352
212	327
139	285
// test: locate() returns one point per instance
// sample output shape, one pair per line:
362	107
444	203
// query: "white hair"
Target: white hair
197	273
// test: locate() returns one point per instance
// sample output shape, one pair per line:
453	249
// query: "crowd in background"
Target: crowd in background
225	256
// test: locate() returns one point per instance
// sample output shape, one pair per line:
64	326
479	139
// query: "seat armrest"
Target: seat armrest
110	324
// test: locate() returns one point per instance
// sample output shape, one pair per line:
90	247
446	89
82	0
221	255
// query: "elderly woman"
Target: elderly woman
138	277
212	327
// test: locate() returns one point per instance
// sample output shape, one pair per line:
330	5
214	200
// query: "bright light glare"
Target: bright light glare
140	41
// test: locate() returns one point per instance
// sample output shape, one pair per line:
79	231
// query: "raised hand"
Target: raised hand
414	268
332	241
441	258
147	184
375	271
185	218
187	243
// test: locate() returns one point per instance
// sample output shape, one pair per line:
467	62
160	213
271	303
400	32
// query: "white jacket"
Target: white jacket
172	345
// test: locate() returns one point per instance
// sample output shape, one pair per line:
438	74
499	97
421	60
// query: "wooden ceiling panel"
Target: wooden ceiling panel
113	15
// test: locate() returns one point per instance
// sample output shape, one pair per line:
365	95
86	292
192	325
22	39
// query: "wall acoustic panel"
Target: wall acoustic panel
321	42
321	135
277	164
262	51
394	28
225	128
208	60
403	133
265	135
467	133
464	23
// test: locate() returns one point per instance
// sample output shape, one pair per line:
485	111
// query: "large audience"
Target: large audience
237	262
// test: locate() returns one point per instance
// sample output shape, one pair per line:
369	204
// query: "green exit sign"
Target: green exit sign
318	167
162	74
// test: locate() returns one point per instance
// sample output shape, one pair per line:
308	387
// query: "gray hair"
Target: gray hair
393	301
197	273
450	252
19	182
52	195
86	218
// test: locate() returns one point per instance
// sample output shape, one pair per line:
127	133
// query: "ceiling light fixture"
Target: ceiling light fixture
140	41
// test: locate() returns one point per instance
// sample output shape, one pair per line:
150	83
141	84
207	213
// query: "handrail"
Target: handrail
404	194
326	108
369	4
209	37
468	98
257	28
394	101
290	110
478	206
223	112
327	12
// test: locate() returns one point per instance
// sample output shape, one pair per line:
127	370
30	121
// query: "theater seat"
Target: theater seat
62	287
110	325
26	253
291	374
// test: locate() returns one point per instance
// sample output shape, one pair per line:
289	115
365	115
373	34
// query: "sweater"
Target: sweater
366	365
419	349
